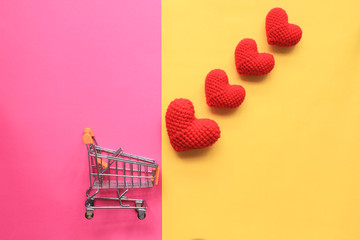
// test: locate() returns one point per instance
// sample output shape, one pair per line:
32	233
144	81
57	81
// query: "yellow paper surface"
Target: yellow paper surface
288	161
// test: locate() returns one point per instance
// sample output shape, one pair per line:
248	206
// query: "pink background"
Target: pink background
66	65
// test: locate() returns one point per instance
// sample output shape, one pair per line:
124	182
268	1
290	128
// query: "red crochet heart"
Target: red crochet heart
185	131
219	93
249	61
279	31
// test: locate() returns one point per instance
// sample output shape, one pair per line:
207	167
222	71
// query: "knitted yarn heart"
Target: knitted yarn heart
185	131
219	93
279	31
249	61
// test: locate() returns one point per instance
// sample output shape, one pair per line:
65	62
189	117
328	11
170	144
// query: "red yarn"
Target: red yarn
249	61
185	131
279	31
219	93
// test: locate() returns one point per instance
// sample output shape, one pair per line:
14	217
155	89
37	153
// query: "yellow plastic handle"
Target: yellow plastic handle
89	131
87	139
88	136
157	175
102	163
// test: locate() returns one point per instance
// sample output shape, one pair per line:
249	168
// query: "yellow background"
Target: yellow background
287	164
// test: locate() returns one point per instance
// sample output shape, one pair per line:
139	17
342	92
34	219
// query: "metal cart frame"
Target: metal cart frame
110	169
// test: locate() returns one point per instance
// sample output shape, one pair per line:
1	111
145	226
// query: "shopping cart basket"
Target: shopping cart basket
109	169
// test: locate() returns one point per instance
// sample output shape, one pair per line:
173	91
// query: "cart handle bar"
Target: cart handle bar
157	172
88	136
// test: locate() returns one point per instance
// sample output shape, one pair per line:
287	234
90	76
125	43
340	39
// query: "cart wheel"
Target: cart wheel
89	202
141	215
89	215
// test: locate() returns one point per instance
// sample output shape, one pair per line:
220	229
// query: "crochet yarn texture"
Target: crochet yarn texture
185	131
279	31
249	61
219	93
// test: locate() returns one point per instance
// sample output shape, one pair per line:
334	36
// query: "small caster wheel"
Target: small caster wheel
89	215
141	215
89	202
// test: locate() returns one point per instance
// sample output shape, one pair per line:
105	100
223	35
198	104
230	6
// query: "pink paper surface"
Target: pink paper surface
66	65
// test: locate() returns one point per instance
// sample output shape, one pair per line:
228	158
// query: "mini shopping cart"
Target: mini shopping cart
110	169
